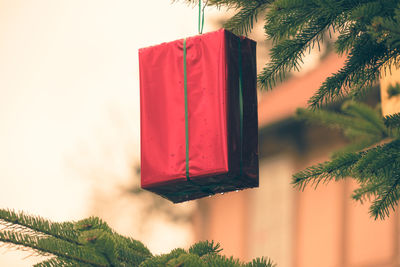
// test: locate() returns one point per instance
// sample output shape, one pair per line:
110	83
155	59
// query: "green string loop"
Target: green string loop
201	17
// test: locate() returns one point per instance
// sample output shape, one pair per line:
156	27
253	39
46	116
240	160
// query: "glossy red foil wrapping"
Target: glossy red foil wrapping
213	116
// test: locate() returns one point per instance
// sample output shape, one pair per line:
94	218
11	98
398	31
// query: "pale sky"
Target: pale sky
69	97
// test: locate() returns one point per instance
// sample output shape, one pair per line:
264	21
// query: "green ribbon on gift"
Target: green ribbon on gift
186	109
208	189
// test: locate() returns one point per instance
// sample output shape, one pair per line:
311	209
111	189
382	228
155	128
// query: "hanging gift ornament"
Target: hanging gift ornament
199	127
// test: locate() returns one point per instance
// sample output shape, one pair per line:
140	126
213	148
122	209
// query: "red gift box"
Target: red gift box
199	127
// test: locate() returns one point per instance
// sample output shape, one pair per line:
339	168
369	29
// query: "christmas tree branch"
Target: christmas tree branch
362	68
366	191
392	121
48	246
56	262
39	225
287	54
388	196
243	21
96	244
374	167
336	169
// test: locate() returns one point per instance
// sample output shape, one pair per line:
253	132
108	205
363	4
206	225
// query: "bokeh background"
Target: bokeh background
69	139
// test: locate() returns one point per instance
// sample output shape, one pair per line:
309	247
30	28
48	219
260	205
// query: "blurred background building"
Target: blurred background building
69	113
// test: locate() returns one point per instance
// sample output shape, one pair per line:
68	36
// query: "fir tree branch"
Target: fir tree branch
348	37
356	145
287	18
229	4
349	32
287	54
236	4
243	21
205	247
57	262
336	169
388	196
113	246
219	260
129	250
261	262
100	246
299	25
162	260
136	245
367	191
40	225
376	160
368	115
392	121
362	68
56	247
362	126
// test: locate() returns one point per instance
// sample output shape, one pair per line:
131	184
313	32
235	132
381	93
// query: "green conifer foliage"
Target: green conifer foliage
91	242
374	167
